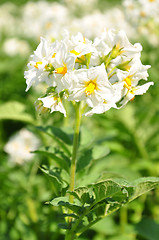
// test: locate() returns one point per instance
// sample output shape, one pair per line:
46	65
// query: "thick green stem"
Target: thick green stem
75	147
69	234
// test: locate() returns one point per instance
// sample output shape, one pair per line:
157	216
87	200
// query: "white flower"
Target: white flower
105	105
101	108
36	67
64	61
20	145
138	90
54	103
116	46
91	85
136	72
80	46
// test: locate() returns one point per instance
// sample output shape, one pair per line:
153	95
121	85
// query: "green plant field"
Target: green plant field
120	143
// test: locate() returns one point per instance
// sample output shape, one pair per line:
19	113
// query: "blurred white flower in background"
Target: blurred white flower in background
92	25
20	145
8	19
143	16
34	19
14	46
81	7
43	18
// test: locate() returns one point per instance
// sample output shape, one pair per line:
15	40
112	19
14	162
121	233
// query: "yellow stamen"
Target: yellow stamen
132	91
151	0
84	40
61	70
48	25
142	14
74	52
55	98
90	87
81	59
53	55
127	83
37	63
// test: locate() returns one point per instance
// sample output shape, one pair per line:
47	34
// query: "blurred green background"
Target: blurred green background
129	137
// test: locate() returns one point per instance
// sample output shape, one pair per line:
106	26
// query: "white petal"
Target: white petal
142	89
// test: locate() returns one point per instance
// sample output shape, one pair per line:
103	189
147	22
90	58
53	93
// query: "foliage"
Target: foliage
113	147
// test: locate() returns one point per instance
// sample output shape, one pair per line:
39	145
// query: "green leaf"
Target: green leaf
57	132
143	185
82	194
95	201
84	159
64	225
58	183
97	192
59	136
15	111
59	201
63	163
104	197
148	229
106	226
100	151
64	202
105	189
54	173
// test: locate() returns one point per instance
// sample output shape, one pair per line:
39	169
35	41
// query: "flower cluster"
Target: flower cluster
102	74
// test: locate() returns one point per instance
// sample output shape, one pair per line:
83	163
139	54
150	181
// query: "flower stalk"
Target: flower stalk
75	148
69	234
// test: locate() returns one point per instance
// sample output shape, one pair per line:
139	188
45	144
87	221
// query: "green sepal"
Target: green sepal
50	90
49	68
123	66
115	52
88	58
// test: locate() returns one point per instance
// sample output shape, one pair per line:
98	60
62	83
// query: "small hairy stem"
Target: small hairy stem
111	71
